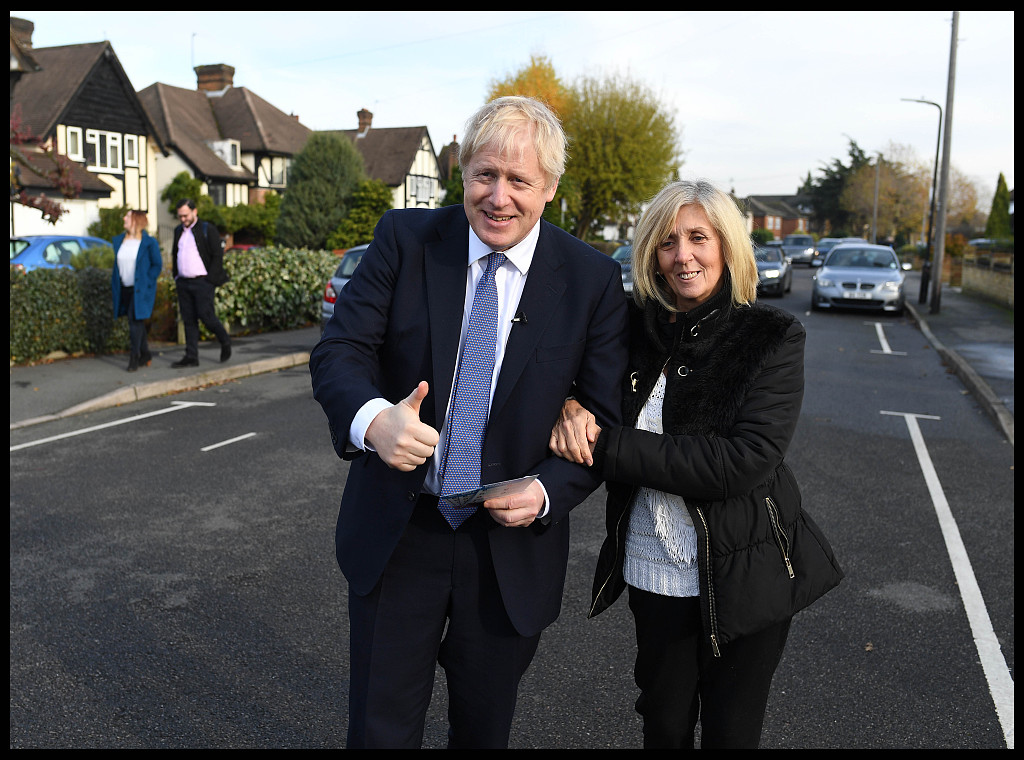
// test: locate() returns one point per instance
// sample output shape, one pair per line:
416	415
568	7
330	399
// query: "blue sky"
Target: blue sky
760	98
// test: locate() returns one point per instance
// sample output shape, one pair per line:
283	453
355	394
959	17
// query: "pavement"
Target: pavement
973	336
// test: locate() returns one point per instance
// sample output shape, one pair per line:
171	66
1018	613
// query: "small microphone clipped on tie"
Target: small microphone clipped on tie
520	317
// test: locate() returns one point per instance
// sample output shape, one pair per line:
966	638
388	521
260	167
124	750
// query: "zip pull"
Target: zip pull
714	646
632	380
789	567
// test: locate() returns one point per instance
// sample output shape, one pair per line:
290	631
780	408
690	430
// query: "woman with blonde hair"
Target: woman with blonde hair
137	265
704	519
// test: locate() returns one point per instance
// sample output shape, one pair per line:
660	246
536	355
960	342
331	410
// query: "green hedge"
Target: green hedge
71	311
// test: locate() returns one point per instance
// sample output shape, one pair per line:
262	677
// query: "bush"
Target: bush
273	288
70	310
62	310
761	236
98	256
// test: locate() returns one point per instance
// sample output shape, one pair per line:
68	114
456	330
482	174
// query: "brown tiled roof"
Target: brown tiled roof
92	186
44	95
256	124
185	120
387	152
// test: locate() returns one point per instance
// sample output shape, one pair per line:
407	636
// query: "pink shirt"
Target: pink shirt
190	263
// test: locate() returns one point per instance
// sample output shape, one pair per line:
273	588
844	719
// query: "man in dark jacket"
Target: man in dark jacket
198	267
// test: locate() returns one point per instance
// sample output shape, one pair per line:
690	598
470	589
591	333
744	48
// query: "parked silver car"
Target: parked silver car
338	281
860	276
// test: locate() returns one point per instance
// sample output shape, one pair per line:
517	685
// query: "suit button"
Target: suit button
411	495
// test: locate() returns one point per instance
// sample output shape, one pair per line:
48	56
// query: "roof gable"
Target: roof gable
259	126
388	152
82	85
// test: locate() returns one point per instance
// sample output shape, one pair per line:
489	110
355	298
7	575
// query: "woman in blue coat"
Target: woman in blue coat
133	283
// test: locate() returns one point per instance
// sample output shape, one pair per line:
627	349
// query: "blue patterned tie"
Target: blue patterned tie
467	419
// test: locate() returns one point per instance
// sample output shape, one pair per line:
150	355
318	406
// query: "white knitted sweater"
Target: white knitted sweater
661	543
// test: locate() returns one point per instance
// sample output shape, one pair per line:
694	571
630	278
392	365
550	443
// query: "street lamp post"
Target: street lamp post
926	268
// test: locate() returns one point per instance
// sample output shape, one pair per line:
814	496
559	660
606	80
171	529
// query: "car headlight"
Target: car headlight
890	287
823	282
771	274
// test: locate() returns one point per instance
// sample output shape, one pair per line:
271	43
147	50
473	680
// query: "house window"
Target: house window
103	150
131	150
278	170
74	146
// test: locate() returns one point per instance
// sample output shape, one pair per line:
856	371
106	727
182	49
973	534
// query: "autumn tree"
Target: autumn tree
623	149
35	164
902	184
536	80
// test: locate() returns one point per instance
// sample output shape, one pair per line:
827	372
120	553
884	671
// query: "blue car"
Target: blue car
49	251
339	280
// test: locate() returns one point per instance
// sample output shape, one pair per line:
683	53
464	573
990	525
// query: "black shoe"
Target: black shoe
225	352
145	359
133	363
186	362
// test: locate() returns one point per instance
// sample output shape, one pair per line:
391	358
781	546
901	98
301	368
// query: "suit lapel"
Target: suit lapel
445	276
545	285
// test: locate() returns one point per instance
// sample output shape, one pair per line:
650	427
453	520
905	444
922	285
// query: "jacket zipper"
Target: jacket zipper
608	578
780	535
710	593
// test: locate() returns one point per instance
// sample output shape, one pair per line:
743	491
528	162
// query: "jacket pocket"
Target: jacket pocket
781	539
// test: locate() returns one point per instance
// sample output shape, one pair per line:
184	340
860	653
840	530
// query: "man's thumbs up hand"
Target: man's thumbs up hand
398	436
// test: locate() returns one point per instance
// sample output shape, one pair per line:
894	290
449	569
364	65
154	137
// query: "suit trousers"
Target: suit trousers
682	681
195	303
438	601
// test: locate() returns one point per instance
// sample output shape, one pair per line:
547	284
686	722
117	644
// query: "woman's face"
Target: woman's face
128	221
691	259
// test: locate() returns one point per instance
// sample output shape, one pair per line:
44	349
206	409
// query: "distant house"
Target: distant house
782	214
403	158
239	145
78	100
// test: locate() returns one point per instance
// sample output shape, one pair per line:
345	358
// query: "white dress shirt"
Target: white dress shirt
510	279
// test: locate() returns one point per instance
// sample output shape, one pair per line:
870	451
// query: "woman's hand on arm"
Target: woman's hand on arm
575	433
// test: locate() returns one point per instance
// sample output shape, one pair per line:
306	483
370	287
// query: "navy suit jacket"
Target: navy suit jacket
399	321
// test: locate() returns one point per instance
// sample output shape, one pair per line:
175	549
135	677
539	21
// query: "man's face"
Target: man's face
187	216
505	193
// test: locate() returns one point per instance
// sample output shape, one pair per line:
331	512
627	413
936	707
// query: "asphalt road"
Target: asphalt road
173	583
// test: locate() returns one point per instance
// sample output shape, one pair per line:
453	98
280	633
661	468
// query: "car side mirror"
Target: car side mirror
816	262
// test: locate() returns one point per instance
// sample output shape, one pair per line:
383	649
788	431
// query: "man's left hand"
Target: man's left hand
519	509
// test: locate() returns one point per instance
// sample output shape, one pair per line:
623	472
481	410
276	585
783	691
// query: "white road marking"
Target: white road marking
1000	683
176	406
880	332
225	443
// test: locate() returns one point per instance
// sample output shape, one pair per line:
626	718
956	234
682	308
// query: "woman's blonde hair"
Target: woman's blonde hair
659	221
500	122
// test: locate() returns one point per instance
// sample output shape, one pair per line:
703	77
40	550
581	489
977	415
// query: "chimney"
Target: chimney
22	30
365	120
214	77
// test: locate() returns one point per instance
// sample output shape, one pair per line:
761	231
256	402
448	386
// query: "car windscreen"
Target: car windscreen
17	246
348	264
766	254
846	258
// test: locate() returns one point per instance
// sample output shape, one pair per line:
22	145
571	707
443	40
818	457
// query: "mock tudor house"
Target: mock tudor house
403	158
79	102
239	145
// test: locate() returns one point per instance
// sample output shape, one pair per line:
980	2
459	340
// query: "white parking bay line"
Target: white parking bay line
225	443
1000	683
880	332
176	406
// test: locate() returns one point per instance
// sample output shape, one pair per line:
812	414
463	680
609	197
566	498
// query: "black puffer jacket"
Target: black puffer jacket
732	400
